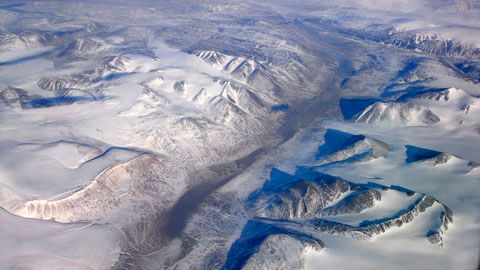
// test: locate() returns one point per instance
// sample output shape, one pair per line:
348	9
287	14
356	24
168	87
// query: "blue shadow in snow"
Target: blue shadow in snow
114	76
253	235
336	140
415	153
409	94
8	7
280	180
281	107
57	101
24	59
411	65
351	107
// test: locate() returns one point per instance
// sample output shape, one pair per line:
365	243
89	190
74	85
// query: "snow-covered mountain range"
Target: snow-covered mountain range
239	135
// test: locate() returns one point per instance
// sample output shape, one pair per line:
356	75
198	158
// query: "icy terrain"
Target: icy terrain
239	135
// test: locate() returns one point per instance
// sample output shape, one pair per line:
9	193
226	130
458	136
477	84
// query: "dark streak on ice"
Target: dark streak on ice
176	218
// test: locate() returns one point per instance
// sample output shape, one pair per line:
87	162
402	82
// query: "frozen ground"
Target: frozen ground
227	135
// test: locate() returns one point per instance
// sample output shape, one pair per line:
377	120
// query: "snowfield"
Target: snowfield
239	135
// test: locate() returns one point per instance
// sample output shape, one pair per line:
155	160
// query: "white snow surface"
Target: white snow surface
35	244
127	141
